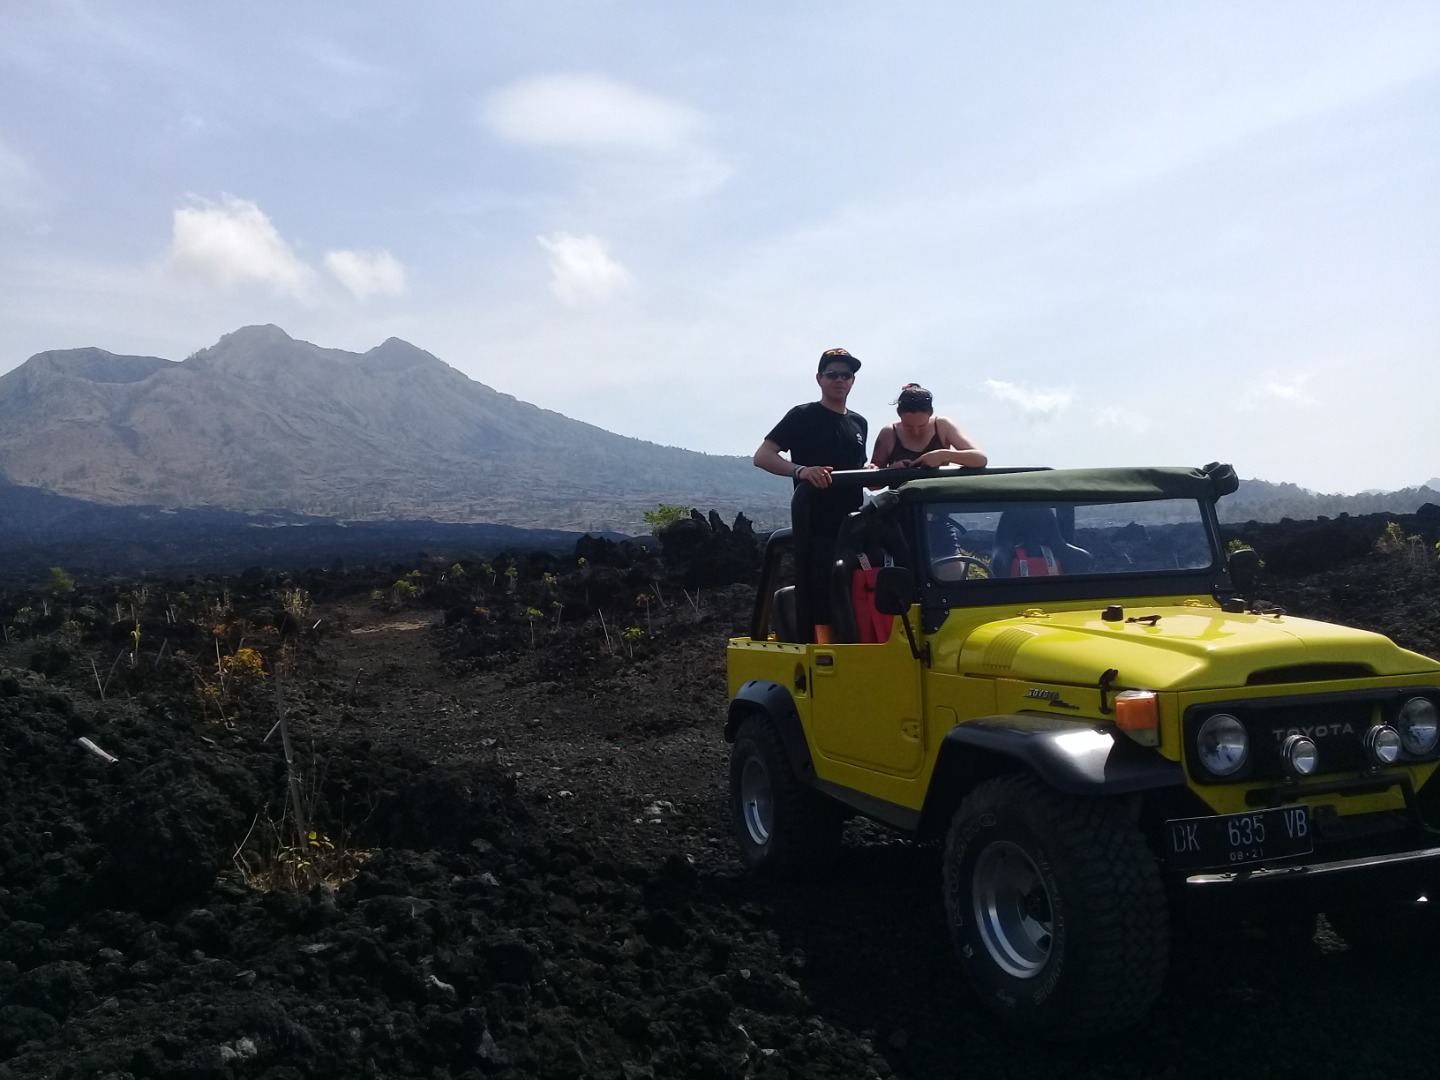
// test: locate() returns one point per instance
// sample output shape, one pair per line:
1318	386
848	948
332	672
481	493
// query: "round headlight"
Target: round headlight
1300	755
1382	743
1223	744
1418	726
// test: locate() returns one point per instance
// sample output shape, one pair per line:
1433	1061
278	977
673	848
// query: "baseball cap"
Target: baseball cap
842	355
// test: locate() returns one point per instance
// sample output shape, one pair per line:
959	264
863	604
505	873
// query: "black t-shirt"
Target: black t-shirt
815	435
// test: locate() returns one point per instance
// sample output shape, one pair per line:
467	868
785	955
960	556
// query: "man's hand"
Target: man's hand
815	475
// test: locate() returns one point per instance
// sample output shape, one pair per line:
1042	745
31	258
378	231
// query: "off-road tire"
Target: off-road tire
1056	909
784	828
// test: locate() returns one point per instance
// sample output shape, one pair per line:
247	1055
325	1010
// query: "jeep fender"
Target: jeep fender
771	700
1068	756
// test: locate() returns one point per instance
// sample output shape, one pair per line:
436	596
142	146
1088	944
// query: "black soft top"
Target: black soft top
1075	485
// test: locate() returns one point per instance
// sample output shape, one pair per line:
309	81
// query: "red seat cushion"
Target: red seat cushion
871	626
1043	564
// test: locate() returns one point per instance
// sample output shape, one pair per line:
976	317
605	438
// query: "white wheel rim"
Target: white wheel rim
1012	910
757	807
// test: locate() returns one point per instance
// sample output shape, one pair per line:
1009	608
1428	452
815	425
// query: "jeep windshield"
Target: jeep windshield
1034	540
1062	534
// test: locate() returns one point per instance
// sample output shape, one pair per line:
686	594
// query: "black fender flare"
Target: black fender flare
773	701
1074	757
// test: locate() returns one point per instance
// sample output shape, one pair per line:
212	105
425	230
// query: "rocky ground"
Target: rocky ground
521	862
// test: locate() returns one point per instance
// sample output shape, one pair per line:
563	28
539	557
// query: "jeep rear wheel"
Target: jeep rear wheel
1056	908
784	828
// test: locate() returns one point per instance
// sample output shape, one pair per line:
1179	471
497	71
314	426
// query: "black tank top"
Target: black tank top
901	452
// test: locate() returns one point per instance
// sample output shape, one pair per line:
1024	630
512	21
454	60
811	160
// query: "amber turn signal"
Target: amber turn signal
1137	713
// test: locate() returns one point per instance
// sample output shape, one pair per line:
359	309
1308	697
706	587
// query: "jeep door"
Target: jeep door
865	705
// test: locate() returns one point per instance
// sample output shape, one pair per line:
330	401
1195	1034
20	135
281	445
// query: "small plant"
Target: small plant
1395	543
456	571
266	863
60	582
296	602
559	609
549	580
1392	540
488	571
243	665
533	615
512	574
644	601
663	516
630	635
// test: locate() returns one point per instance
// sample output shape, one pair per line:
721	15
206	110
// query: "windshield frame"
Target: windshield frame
942	595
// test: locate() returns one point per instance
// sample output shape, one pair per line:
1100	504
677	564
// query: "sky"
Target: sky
1102	234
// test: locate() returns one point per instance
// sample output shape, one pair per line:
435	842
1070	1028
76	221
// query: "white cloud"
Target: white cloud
1125	418
17	178
1289	391
1033	404
367	274
581	269
646	142
587	111
1274	391
233	242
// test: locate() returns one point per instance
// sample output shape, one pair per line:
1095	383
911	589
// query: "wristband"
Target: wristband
795	473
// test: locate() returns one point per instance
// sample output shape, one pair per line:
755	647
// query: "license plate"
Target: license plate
1235	840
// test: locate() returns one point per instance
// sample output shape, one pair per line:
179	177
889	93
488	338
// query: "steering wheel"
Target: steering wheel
957	567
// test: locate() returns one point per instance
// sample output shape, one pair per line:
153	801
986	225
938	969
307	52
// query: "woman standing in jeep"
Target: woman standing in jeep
921	437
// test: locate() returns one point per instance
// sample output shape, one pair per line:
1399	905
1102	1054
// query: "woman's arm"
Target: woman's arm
884	443
958	450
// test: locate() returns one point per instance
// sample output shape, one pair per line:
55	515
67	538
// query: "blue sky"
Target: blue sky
1102	234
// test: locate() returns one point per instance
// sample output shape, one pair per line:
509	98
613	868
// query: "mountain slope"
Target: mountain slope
262	420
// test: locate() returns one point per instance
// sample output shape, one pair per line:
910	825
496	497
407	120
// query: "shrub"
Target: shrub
663	516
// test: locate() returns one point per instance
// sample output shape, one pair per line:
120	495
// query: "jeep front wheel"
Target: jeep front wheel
784	828
1056	908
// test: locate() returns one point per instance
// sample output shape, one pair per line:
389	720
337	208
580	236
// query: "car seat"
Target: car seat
865	544
1028	544
782	614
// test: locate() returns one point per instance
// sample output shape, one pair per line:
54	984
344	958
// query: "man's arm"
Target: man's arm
768	457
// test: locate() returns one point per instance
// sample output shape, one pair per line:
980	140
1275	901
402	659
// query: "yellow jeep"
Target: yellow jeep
1063	674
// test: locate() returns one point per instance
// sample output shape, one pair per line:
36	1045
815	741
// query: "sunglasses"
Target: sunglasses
835	373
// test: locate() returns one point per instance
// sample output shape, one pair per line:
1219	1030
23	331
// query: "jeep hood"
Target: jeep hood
1176	648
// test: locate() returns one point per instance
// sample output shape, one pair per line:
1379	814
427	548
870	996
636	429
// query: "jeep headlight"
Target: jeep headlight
1382	744
1417	723
1223	744
1300	755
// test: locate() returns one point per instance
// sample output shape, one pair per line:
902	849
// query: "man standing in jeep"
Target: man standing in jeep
821	436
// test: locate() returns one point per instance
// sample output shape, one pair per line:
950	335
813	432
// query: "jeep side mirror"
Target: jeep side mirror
894	590
1245	570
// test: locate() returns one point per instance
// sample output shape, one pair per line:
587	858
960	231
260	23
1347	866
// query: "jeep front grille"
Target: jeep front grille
1336	722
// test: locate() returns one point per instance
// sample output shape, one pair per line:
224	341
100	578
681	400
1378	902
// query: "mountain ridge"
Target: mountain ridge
260	419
